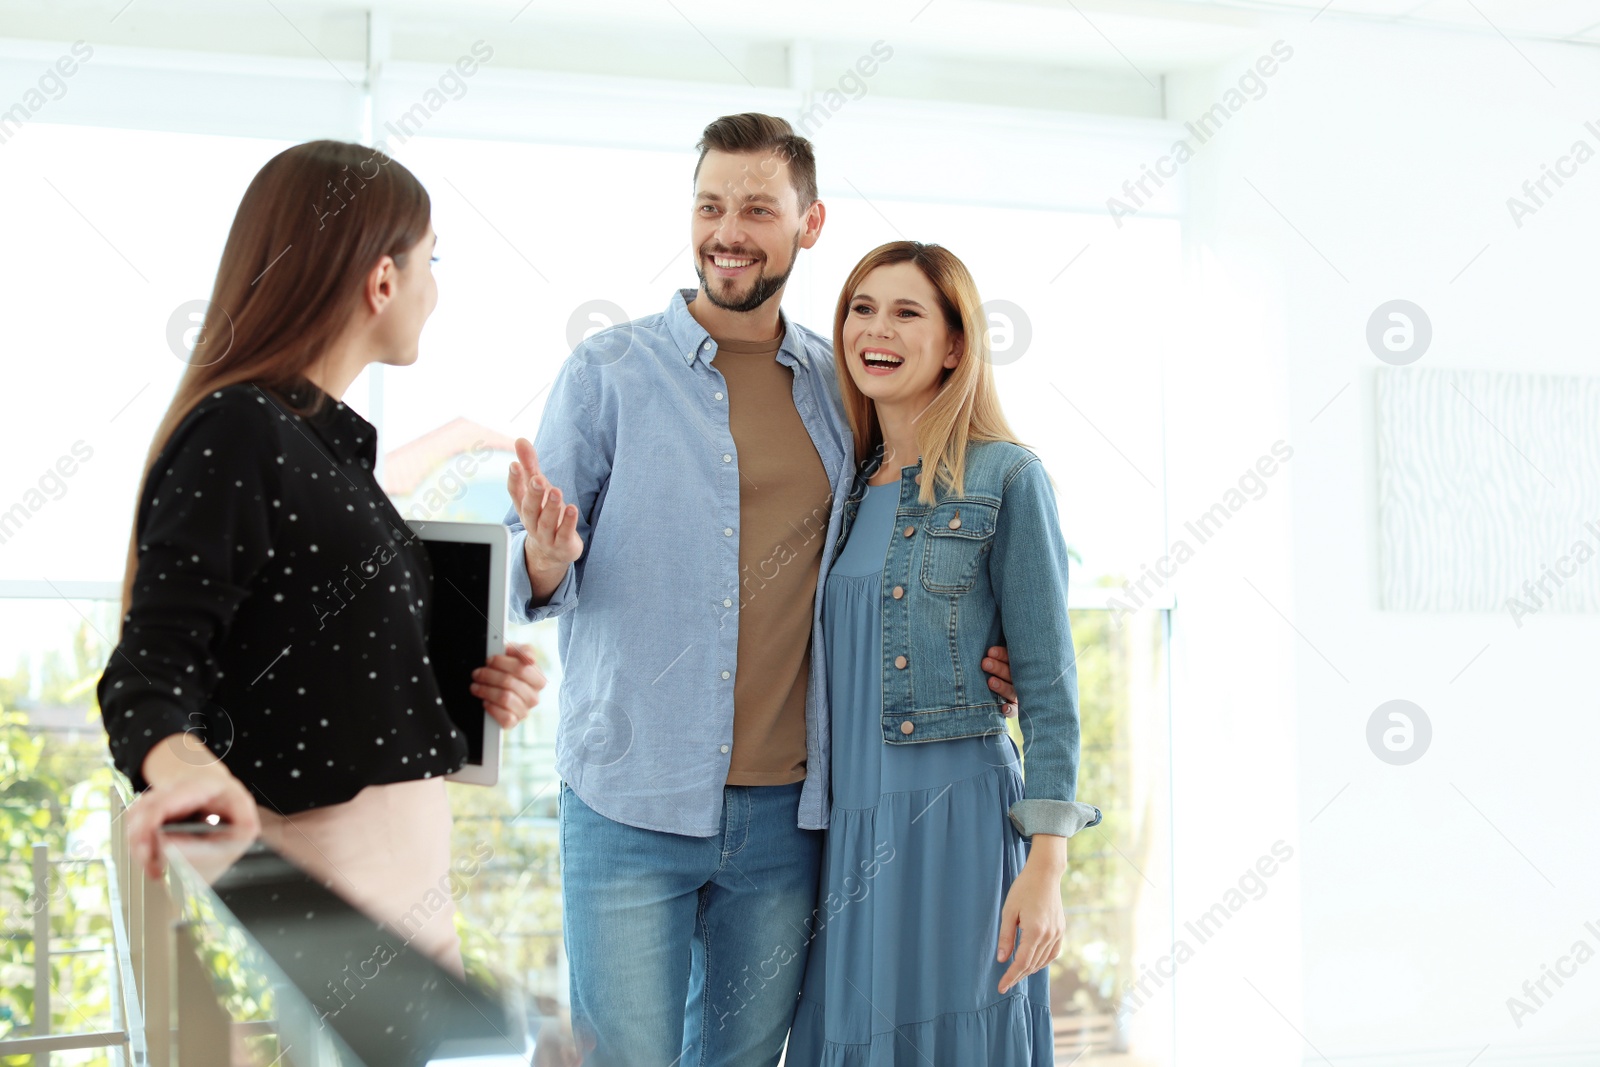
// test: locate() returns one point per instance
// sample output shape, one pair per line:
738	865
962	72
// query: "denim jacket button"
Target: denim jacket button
899	591
906	727
955	523
900	662
910	530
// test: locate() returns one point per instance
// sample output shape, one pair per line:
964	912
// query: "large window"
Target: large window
117	236
114	235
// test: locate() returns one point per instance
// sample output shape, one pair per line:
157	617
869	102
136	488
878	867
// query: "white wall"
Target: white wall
1376	166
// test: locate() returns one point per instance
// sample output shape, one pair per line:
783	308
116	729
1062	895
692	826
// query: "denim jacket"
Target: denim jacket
985	567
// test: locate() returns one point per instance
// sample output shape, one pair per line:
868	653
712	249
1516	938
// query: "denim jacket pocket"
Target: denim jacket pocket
959	534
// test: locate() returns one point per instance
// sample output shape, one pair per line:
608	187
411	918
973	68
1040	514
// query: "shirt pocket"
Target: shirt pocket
957	536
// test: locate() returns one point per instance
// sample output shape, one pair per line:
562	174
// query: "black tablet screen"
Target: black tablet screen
459	633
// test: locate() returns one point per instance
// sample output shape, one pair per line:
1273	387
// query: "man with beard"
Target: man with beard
679	514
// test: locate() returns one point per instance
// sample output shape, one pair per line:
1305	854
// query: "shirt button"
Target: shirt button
706	345
726	458
910	530
717	395
724	748
900	662
899	591
906	727
955	523
725	674
727	603
727	531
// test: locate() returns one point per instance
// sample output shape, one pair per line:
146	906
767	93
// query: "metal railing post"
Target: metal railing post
205	1031
41	940
156	987
119	884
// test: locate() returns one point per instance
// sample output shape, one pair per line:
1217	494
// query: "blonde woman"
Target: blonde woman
941	885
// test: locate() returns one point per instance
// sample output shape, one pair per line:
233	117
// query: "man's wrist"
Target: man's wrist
544	578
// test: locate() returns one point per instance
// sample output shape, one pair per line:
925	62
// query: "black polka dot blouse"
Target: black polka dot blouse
280	608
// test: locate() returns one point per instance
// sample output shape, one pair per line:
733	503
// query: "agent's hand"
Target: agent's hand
509	685
998	664
1034	902
185	779
553	542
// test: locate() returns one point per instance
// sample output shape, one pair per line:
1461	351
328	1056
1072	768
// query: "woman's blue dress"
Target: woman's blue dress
919	856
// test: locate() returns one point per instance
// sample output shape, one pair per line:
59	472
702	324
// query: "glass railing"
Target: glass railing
279	967
87	991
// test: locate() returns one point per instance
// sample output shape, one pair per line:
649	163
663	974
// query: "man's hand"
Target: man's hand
998	664
553	543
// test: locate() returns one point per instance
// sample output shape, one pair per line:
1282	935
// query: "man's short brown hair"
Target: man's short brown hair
752	132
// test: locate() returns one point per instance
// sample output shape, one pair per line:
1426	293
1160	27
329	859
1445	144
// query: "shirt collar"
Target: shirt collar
694	342
346	434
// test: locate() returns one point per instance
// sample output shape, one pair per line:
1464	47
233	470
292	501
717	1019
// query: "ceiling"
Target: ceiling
1149	36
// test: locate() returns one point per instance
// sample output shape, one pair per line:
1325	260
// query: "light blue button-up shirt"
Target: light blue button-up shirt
634	433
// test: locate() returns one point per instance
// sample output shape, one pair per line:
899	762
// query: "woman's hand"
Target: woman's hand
508	685
1034	903
185	778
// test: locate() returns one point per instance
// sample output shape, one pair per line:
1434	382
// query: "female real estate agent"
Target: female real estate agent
234	691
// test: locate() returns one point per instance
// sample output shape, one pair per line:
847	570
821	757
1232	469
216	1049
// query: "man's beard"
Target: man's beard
760	293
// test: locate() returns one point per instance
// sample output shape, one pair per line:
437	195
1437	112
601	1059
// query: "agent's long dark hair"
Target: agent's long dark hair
311	225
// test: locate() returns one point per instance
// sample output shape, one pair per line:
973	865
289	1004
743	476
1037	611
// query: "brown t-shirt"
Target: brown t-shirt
784	503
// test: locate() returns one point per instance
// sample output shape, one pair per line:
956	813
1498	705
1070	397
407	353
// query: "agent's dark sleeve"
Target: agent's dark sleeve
206	525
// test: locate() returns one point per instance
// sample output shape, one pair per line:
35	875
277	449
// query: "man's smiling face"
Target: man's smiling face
747	229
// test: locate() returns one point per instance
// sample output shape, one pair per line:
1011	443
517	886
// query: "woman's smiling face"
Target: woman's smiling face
897	344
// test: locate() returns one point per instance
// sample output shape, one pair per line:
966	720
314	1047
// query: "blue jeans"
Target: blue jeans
688	951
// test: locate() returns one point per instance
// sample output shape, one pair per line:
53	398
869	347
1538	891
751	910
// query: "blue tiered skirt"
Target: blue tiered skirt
918	860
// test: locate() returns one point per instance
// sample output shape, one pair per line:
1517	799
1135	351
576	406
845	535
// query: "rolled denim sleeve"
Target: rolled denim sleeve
1028	571
575	455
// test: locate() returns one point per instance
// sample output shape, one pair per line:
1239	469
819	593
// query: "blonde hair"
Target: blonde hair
967	407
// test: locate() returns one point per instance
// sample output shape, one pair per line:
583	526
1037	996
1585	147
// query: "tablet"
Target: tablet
468	625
